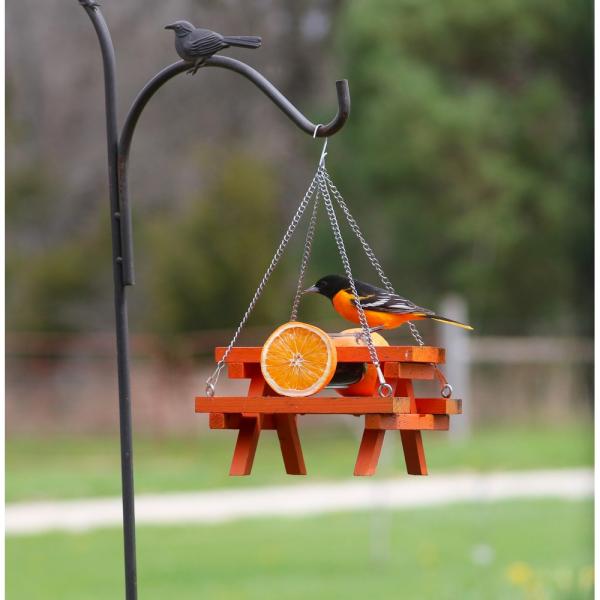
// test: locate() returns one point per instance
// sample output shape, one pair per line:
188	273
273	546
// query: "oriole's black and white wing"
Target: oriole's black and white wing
373	298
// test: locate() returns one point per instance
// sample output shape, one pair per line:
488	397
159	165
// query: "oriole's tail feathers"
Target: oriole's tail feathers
450	322
243	41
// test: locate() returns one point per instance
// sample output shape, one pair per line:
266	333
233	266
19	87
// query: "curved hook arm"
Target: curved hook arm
261	82
225	62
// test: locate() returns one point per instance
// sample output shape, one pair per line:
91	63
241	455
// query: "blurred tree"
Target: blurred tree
64	287
206	264
58	263
471	134
469	153
57	205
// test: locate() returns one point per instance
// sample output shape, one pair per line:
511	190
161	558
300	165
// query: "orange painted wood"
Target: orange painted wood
243	370
425	407
245	446
234	420
414	453
310	405
258	386
439	406
419	354
264	409
412	441
410	422
408	370
219	421
289	441
369	451
405	388
240	370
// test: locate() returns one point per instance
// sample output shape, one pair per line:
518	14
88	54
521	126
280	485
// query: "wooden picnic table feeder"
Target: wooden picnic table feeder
262	409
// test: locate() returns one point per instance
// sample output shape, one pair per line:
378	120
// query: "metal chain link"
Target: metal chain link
322	183
356	229
446	387
385	389
368	250
310	234
415	333
212	380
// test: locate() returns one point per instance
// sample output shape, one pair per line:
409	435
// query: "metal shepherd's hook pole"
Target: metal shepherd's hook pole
120	209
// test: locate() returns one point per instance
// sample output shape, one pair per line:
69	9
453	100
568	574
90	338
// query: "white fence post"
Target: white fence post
458	361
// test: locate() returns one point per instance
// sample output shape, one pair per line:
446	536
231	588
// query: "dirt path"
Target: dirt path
298	500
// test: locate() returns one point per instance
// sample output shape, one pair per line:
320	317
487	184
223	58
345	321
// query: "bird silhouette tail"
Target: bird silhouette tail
243	41
449	322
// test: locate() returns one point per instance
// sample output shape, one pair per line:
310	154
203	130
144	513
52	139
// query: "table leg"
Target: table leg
414	453
289	441
245	446
369	451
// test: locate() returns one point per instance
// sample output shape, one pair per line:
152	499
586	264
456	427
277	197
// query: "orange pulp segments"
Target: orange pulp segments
298	359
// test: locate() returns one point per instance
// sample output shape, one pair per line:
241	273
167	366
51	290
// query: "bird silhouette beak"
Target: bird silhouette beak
171	26
311	290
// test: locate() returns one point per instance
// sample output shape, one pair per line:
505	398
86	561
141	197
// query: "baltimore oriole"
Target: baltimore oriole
382	309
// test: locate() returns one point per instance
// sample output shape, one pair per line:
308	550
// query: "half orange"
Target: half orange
298	359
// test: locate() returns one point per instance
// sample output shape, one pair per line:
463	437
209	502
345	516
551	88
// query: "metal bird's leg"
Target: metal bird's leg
359	335
89	3
373	330
197	65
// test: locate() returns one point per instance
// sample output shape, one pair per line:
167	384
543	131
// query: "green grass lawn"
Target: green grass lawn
84	466
533	550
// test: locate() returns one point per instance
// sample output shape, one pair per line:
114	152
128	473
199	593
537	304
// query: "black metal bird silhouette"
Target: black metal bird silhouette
196	45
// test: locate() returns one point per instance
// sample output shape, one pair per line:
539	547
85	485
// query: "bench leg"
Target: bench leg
414	453
369	451
245	446
289	441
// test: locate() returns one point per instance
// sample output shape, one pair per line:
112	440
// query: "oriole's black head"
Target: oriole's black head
181	28
329	285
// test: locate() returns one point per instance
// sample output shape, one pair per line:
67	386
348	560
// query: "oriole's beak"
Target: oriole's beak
313	289
171	26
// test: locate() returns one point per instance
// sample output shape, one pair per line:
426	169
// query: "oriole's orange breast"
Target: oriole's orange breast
342	302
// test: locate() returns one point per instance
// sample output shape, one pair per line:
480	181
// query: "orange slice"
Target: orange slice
369	381
298	359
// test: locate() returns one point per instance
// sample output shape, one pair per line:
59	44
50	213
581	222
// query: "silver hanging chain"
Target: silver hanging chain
310	235
356	229
368	250
322	182
446	387
385	389
211	382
